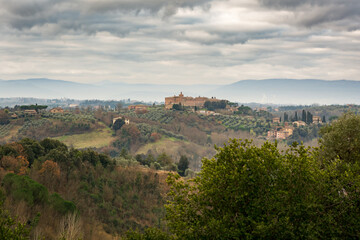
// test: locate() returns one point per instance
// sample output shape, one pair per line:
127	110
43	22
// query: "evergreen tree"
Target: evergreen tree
183	165
286	117
323	119
309	118
296	116
303	118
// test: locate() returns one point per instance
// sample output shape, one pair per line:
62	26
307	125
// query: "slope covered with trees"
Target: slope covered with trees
51	188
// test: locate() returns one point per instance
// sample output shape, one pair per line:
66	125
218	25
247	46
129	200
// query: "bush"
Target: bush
246	192
24	188
60	205
10	229
150	234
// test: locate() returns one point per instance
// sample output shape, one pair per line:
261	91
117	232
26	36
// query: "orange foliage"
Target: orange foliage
50	168
50	174
17	165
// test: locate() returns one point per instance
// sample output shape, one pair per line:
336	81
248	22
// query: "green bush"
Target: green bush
24	188
150	234
11	229
60	205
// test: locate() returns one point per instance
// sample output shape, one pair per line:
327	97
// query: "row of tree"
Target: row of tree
306	117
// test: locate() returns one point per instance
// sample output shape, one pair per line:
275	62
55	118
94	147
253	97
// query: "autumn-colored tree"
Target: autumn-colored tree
17	165
132	131
50	174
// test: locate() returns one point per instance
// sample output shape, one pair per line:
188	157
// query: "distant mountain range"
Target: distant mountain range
276	91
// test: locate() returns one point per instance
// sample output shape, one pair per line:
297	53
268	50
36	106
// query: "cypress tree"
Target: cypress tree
309	117
296	116
303	116
286	117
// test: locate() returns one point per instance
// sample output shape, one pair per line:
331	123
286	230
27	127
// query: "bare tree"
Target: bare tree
70	227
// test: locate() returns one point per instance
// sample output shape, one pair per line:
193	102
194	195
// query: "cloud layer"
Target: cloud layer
187	41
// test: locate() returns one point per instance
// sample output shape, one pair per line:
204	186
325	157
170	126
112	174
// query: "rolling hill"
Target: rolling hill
277	91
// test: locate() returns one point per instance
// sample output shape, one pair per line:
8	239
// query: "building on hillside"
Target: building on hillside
188	101
276	120
231	109
207	113
258	109
127	121
30	112
138	107
14	116
299	123
57	110
317	119
280	132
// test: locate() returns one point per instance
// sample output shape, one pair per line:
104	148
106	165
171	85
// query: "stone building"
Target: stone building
280	132
276	120
57	110
317	119
299	123
188	101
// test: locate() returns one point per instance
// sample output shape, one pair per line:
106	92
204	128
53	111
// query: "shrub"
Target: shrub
60	205
24	188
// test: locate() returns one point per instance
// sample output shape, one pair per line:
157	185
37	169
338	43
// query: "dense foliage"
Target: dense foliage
49	178
213	105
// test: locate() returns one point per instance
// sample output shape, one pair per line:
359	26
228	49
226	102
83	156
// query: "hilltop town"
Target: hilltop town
278	129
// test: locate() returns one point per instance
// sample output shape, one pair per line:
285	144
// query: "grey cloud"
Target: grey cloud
169	7
227	37
333	14
120	18
51	18
21	14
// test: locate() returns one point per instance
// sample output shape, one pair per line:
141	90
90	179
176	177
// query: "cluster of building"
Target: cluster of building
188	101
33	112
280	132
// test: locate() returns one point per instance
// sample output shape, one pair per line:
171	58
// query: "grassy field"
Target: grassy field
170	145
96	139
175	148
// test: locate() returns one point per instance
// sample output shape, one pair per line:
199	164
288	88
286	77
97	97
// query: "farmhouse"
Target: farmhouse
276	120
299	123
317	119
280	132
138	107
127	121
57	110
187	101
30	112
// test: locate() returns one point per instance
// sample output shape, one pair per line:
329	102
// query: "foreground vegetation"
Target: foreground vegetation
57	191
261	193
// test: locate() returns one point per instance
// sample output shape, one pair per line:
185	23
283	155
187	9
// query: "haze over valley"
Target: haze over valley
269	91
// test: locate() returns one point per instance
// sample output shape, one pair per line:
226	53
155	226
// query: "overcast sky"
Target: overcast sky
179	41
